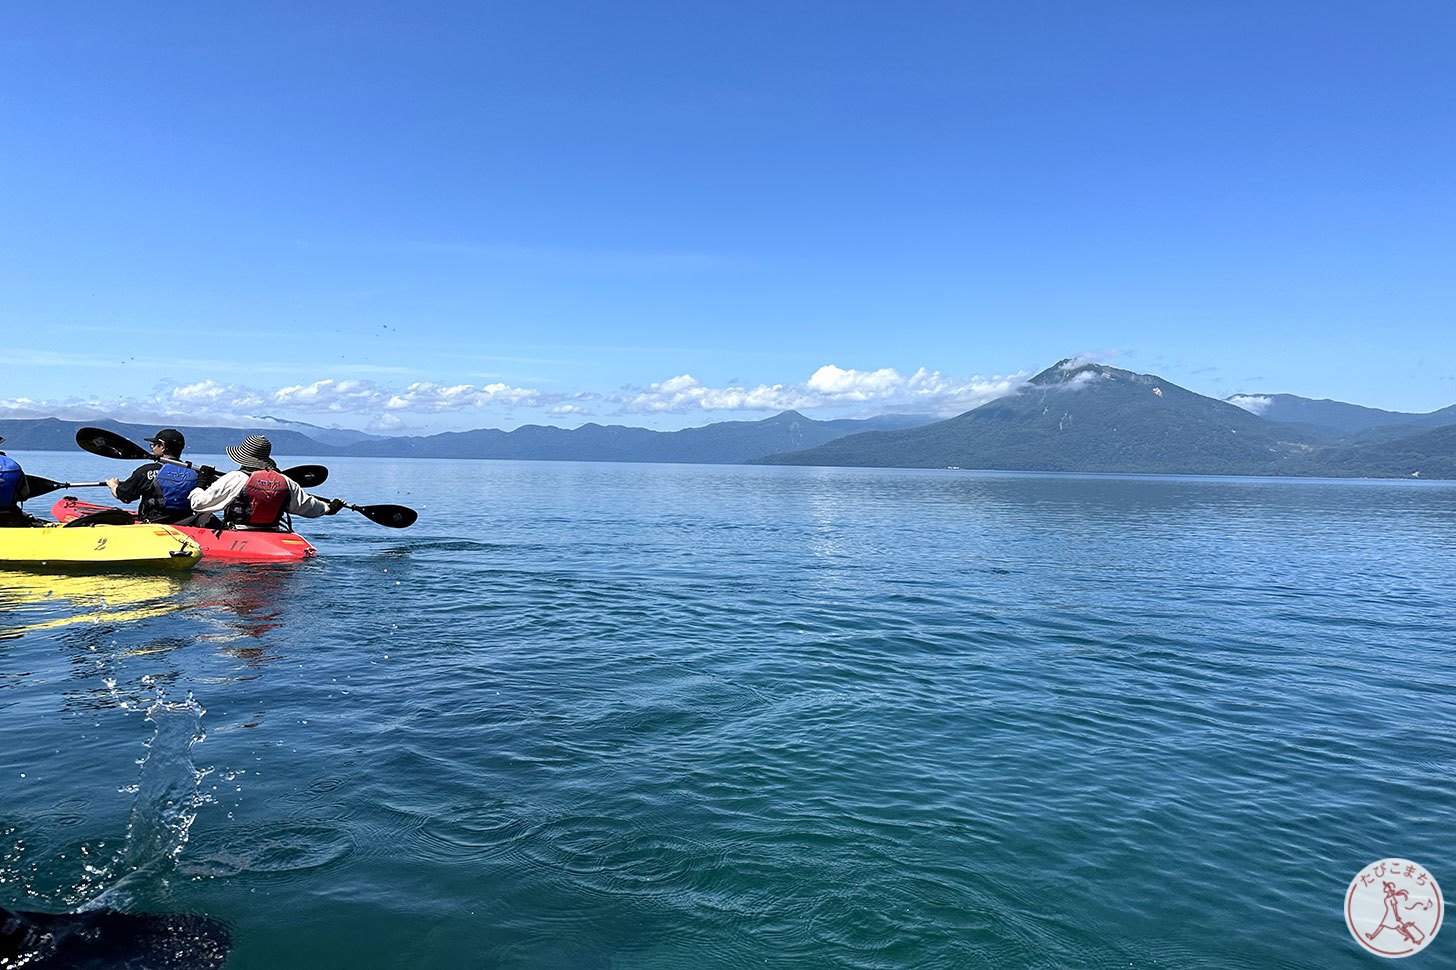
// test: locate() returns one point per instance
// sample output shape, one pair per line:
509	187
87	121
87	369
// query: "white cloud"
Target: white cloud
1253	403
212	394
210	402
428	397
855	385
687	393
1078	381
368	404
421	397
829	386
1092	357
331	395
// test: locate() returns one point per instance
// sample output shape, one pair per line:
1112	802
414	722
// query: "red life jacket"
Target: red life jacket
262	503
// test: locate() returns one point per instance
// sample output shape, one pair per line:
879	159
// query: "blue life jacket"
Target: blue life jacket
11	477
173	483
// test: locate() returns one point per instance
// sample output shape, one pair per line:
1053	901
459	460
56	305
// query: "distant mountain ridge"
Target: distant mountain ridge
1077	417
726	442
53	434
1338	417
327	436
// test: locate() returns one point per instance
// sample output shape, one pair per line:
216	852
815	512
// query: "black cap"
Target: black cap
172	438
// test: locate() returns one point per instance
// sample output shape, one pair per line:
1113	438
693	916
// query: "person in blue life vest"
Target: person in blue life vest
257	496
161	488
13	491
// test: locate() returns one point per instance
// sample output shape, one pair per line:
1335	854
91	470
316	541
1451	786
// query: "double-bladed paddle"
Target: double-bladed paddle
393	516
36	486
109	444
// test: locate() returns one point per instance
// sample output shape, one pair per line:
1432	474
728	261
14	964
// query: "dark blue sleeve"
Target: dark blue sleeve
138	484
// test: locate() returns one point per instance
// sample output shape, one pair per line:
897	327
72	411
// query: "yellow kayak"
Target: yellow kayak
98	546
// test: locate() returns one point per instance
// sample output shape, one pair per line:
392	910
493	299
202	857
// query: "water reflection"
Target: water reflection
246	605
31	602
104	623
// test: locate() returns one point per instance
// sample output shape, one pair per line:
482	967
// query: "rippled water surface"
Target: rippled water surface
617	716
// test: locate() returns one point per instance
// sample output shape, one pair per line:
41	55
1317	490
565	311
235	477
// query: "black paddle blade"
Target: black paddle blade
309	476
35	485
107	938
109	444
393	516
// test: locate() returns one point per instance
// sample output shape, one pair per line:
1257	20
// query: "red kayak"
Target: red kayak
236	545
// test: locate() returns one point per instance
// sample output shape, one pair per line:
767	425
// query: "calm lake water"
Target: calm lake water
628	716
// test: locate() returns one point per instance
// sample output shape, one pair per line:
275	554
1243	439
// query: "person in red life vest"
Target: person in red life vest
13	491
162	488
257	496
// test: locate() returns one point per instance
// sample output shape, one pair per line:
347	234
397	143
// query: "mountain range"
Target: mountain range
726	442
1072	417
1081	417
1341	419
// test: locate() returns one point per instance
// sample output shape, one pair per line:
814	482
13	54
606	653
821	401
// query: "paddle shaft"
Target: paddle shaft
309	476
37	486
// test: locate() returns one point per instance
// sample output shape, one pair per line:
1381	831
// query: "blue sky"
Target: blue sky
420	217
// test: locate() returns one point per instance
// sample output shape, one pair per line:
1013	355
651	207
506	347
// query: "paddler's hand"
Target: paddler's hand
111	483
335	504
206	476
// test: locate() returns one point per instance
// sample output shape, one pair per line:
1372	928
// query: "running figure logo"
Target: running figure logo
1394	908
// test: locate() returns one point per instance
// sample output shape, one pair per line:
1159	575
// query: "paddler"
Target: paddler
161	487
257	496
13	491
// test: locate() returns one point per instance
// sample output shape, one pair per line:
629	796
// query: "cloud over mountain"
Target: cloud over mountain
381	406
829	386
1253	403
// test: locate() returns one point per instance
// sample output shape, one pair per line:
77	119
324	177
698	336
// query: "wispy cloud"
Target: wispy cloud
211	394
20	357
378	405
1095	357
829	386
1253	403
355	401
426	396
172	364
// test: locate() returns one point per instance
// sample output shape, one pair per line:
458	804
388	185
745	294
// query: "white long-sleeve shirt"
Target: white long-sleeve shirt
218	496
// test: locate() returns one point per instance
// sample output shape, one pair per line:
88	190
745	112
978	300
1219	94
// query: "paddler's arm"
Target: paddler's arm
220	494
131	489
304	504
